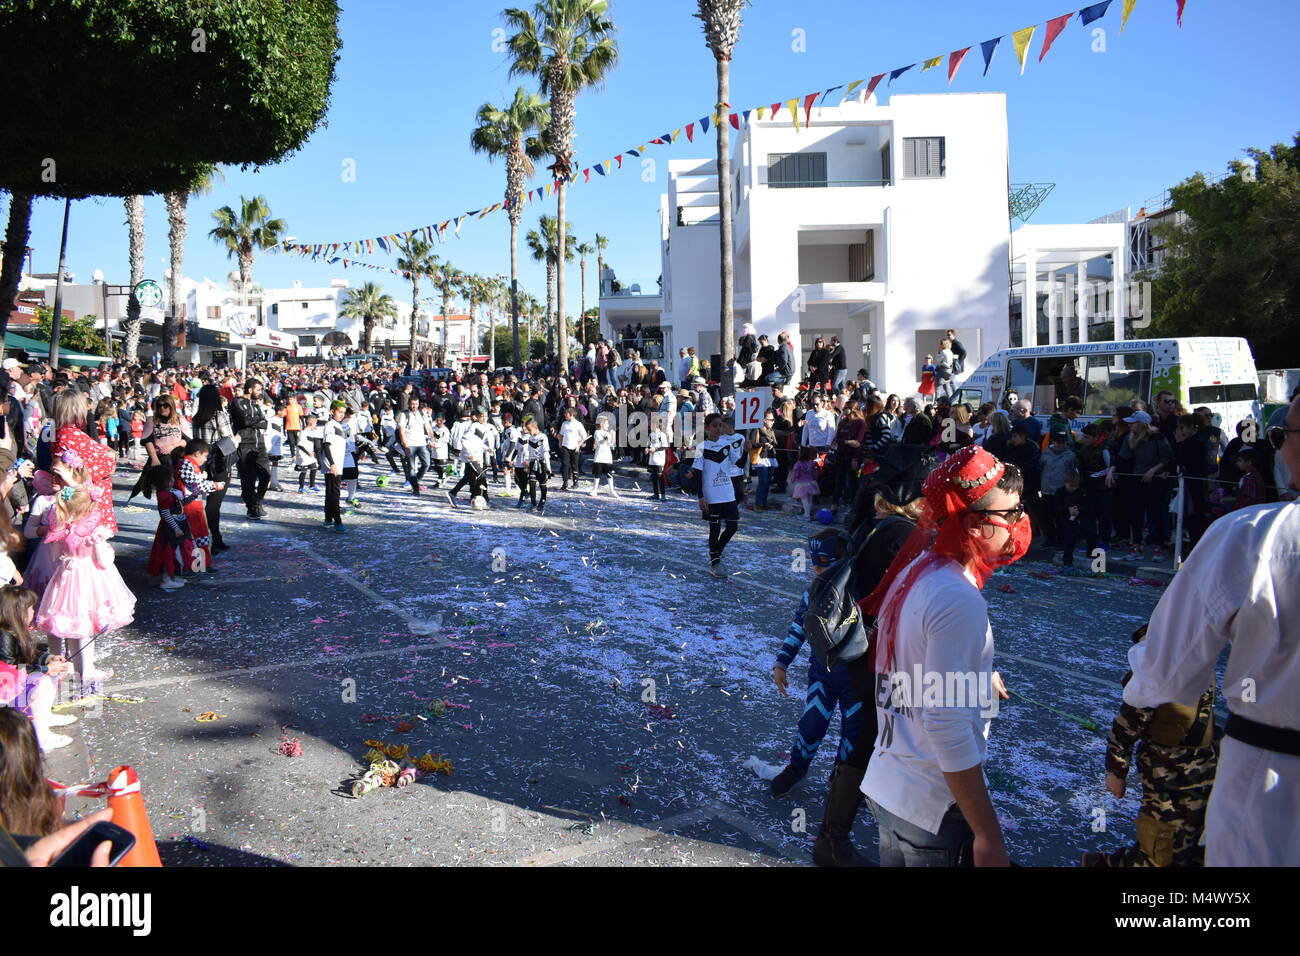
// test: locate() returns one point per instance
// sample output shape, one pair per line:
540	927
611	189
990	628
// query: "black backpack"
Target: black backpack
834	626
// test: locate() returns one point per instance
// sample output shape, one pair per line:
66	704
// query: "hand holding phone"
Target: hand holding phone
84	850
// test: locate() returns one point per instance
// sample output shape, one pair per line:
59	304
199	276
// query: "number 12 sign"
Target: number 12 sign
750	408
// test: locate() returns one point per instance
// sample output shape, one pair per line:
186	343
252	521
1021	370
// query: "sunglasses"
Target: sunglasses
1010	515
1277	435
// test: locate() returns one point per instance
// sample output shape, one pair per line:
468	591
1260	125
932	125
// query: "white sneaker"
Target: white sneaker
52	741
171	584
594	489
61	720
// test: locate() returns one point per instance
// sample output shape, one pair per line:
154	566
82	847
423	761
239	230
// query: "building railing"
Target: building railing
819	183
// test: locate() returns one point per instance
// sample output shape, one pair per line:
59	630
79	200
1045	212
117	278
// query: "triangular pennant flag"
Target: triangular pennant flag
600	169
852	86
550	189
1128	8
828	93
871	85
745	115
619	159
1020	40
1094	12
794	111
704	124
1181	5
370	246
776	108
1054	28
931	63
895	74
690	132
656	141
669	137
586	175
734	119
761	111
382	245
458	222
987	48
807	107
676	135
607	165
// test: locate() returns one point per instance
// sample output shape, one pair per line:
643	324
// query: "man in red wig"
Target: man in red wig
935	686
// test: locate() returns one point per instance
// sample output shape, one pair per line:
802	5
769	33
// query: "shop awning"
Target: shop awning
38	350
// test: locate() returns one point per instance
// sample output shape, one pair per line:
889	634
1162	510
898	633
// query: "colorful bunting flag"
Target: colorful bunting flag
735	120
704	124
761	111
828	93
988	47
600	170
807	107
895	74
931	63
794	112
1054	28
871	84
1094	12
853	86
690	132
954	62
1020	40
1181	5
1128	8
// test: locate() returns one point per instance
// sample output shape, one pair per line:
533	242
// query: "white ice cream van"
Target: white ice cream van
1218	373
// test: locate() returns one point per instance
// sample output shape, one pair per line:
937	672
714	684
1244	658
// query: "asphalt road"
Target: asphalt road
605	692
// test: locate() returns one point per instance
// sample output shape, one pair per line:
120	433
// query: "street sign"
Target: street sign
148	293
751	405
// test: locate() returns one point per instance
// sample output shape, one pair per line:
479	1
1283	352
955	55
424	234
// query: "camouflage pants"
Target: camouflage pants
1169	828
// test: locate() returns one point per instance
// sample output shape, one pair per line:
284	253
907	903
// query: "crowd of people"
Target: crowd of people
917	499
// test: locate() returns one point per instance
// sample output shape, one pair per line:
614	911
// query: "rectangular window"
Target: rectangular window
214	312
1218	394
924	157
796	170
885	173
1115	380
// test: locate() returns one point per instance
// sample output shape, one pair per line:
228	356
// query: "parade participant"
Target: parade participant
828	690
1240	586
336	462
717	497
212	424
254	467
925	781
173	529
736	452
510	435
413	434
534	455
659	441
193	490
473	449
573	435
305	458
602	462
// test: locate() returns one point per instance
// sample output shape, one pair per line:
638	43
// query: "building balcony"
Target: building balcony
841	293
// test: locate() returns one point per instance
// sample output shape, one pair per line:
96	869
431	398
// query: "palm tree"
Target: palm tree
416	260
568	45
721	19
450	282
583	250
178	225
545	247
135	231
506	133
601	245
246	233
17	232
370	304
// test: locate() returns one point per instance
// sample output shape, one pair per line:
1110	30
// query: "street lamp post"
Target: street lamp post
55	329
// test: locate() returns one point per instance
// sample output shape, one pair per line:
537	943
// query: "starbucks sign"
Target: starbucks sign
148	293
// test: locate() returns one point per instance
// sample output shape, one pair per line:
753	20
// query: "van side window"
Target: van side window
1020	377
1115	380
1058	377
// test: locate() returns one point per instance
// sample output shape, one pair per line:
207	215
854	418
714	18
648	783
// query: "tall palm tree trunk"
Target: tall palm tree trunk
582	316
562	327
726	325
177	225
550	301
473	326
135	229
415	321
514	286
17	232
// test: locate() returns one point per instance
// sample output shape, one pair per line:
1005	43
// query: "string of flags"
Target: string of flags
865	87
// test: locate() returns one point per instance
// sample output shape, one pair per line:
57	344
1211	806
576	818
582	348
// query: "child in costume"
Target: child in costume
40	557
28	672
173	529
828	690
193	487
804	486
86	595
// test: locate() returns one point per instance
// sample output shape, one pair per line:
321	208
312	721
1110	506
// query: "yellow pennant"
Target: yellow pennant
794	112
930	64
853	86
1021	40
761	110
1128	8
676	133
608	164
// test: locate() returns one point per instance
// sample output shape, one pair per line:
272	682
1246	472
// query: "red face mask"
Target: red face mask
1021	535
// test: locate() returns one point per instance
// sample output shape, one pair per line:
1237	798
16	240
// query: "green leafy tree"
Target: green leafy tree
516	134
1230	265
568	46
417	262
134	97
544	244
78	335
245	233
370	304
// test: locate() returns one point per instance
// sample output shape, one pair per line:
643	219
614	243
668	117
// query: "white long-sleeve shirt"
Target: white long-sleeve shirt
573	434
938	720
819	429
1240	586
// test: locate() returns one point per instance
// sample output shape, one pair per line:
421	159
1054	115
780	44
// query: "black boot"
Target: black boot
784	781
834	847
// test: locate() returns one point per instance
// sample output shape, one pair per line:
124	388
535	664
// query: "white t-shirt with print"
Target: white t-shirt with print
713	462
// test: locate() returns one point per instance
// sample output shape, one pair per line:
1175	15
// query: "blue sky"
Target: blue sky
1109	128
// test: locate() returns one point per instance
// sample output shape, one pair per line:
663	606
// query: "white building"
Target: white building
884	225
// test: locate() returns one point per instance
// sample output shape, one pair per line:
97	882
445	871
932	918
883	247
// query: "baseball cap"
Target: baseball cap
1139	417
9	363
1060	434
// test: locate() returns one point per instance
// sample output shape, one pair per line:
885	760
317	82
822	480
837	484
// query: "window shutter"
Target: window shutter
909	158
933	156
884	163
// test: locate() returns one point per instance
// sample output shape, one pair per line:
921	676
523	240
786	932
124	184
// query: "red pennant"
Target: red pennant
954	62
619	159
690	132
1054	28
586	175
808	102
735	121
1181	5
776	108
872	85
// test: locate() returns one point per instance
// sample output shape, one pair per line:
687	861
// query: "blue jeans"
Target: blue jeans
416	453
906	844
764	482
840	377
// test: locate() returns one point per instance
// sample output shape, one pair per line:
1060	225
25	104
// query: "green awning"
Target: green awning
39	350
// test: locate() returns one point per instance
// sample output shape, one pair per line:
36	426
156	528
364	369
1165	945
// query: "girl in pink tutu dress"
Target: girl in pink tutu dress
40	565
86	595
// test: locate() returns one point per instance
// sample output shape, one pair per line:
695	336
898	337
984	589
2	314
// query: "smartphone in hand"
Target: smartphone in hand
80	852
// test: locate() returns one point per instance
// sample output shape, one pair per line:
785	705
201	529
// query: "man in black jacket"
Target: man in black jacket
839	363
958	353
249	423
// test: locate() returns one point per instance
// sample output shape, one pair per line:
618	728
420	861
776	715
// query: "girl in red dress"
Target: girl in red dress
173	528
193	489
928	373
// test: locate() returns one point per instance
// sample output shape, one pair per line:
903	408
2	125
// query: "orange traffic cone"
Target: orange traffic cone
127	804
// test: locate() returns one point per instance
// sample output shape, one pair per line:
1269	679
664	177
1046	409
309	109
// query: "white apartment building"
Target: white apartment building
884	225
